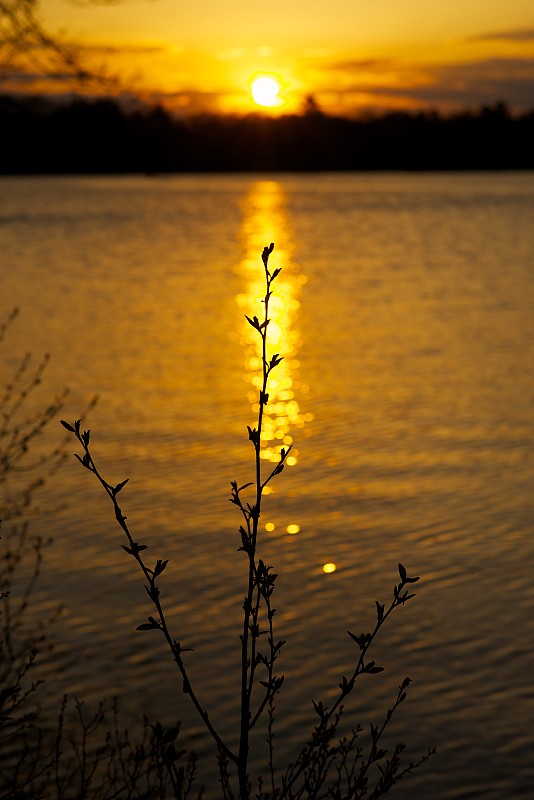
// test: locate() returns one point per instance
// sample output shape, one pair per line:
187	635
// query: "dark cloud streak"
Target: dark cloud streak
516	35
510	80
369	64
126	49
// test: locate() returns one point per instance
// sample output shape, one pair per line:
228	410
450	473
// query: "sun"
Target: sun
265	91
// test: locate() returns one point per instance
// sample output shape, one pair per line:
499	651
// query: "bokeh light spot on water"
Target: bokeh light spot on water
329	567
293	528
269	526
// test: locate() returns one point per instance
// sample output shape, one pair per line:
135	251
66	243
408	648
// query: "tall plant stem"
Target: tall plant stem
247	658
325	766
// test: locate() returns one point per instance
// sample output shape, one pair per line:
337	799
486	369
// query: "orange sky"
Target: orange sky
349	54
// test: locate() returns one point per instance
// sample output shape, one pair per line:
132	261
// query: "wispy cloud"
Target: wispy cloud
514	35
19	76
447	85
363	65
491	80
187	101
93	48
120	49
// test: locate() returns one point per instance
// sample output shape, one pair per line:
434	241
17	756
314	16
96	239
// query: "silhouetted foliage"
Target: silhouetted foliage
90	755
29	50
102	136
328	764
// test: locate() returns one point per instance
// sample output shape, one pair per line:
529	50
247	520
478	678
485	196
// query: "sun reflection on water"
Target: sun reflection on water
265	221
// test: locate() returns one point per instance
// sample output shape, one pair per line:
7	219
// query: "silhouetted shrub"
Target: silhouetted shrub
328	765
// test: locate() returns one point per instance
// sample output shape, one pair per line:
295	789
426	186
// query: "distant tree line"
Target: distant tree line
103	136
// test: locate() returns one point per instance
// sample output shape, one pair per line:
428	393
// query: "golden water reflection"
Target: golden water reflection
265	220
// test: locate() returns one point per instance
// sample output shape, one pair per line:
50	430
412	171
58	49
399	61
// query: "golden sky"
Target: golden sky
349	54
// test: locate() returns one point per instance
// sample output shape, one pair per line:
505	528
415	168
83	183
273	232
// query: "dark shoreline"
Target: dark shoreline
102	137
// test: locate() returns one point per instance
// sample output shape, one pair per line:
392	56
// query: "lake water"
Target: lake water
404	311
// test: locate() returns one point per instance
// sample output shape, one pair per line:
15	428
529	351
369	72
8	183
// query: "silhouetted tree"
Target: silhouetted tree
25	44
311	107
102	135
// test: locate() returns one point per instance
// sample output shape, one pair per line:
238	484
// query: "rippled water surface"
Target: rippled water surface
404	312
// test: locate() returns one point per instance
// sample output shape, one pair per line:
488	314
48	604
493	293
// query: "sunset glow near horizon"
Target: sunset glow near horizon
357	57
